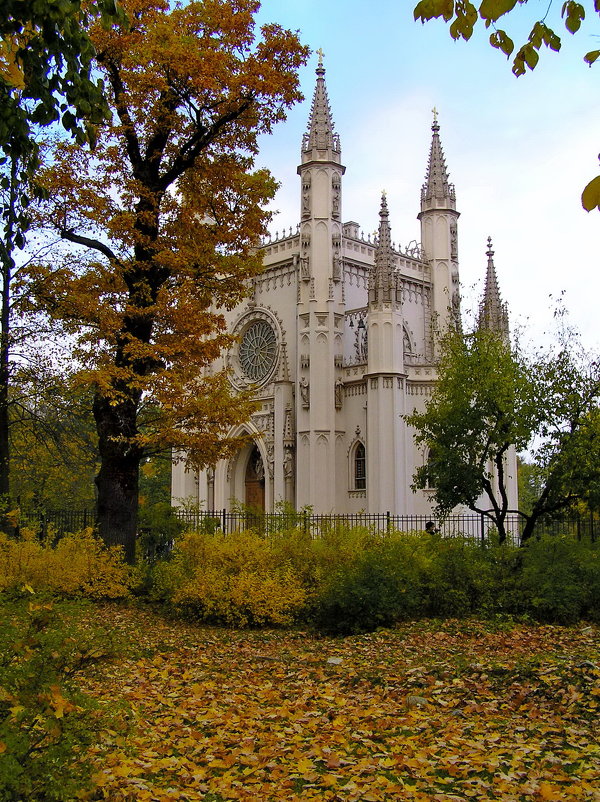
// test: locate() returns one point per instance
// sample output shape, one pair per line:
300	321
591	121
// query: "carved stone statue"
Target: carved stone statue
339	389
305	392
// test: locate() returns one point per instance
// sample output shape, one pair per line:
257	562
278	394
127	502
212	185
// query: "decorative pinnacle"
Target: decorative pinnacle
493	314
437	189
320	134
383	283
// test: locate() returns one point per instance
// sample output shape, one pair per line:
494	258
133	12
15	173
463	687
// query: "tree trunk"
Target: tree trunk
118	478
4	378
7	266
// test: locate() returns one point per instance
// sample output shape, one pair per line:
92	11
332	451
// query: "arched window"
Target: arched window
360	467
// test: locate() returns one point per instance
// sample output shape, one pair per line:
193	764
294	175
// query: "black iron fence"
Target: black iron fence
59	522
472	527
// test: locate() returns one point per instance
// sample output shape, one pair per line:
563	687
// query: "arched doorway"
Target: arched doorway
255	481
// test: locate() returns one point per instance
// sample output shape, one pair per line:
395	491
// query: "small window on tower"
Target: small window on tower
360	467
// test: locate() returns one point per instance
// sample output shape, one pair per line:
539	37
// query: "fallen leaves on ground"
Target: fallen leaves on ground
436	711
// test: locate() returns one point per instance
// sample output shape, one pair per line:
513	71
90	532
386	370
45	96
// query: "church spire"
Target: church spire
437	191
320	135
383	283
493	314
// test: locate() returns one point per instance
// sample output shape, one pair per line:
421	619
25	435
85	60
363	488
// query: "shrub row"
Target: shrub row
349	580
352	580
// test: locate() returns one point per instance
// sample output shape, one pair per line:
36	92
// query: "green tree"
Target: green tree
54	453
491	398
463	16
162	221
45	77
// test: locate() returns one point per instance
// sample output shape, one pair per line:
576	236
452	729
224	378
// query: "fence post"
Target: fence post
224	519
482	528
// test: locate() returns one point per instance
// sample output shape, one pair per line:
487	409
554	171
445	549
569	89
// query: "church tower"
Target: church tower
320	307
385	377
439	236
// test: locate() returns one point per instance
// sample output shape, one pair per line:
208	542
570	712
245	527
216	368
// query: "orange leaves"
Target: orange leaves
264	716
162	221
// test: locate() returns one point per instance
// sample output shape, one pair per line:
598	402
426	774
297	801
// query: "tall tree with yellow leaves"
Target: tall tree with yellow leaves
162	221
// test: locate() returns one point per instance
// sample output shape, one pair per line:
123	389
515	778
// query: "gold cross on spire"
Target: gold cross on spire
320	54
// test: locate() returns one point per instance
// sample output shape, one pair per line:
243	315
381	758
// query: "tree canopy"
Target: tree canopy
463	16
491	398
161	222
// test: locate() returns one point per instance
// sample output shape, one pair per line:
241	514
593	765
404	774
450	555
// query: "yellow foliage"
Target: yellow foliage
237	579
79	565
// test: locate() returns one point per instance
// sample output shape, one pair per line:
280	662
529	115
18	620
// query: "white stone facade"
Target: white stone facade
338	336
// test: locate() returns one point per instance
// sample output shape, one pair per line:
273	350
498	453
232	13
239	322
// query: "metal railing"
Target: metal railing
471	527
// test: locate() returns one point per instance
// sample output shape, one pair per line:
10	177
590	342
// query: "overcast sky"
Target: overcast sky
519	151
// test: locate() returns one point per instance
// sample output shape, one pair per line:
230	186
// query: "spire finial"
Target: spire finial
320	134
489	253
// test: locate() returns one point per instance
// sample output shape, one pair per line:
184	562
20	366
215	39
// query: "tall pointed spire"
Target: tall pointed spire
493	313
320	134
383	281
437	191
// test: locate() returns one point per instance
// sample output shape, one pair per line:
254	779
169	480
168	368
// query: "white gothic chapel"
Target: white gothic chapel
337	336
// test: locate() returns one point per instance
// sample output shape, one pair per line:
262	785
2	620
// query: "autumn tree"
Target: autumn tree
463	17
162	221
491	398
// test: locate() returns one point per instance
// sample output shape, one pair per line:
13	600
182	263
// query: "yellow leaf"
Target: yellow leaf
549	791
590	197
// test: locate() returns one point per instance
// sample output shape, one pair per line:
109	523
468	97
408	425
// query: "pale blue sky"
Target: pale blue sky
518	150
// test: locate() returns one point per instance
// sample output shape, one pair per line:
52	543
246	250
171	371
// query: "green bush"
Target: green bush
505	595
459	578
46	724
375	587
560	579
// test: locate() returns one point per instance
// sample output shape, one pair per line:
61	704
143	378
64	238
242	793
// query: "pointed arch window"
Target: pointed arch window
360	467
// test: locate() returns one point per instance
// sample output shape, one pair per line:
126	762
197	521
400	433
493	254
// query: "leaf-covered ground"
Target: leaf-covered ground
430	711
